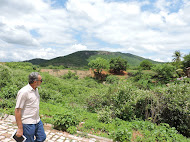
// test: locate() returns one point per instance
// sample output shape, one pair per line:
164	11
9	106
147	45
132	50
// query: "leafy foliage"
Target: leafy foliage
105	115
177	56
122	135
146	65
186	61
118	64
65	121
165	72
112	79
127	102
5	75
72	130
99	64
116	107
70	75
22	65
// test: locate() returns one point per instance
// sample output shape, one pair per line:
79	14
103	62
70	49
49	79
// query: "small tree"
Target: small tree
146	65
118	64
98	65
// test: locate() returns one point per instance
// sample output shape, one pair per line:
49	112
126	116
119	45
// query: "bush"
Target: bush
146	65
64	121
5	75
70	75
72	130
160	105
7	103
22	65
165	72
94	102
8	92
112	79
105	115
122	135
176	112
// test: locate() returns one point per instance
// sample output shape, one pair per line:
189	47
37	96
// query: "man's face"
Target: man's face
39	81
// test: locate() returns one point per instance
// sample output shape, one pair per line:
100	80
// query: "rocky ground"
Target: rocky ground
8	126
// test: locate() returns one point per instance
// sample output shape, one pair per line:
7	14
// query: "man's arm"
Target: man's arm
19	122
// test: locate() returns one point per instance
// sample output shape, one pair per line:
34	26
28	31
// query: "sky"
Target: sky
153	29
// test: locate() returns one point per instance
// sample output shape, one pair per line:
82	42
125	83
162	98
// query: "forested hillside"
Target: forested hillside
82	58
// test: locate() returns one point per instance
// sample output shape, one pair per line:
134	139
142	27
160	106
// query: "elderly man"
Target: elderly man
27	111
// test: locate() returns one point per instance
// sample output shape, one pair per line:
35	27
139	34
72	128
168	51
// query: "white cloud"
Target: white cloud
87	24
78	47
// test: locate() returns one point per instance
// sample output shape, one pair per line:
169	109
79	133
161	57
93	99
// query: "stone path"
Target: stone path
8	126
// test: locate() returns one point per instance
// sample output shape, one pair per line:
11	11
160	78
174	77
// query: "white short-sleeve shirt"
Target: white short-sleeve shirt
28	100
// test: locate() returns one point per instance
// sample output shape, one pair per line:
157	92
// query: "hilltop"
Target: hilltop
82	58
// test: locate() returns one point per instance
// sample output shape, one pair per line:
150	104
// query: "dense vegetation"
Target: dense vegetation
82	58
117	109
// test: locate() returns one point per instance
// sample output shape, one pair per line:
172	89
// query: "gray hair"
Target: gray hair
33	77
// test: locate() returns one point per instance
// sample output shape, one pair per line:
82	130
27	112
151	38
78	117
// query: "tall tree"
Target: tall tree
177	59
177	56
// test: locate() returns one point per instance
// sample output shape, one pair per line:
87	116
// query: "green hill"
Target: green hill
82	58
37	61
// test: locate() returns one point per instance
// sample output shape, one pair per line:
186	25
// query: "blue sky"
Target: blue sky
153	29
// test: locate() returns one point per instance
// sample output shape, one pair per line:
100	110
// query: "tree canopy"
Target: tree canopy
98	64
118	64
146	65
186	61
177	59
177	56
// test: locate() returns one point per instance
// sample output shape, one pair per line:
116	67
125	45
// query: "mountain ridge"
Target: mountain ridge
82	58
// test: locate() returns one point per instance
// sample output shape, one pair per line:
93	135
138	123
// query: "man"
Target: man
27	111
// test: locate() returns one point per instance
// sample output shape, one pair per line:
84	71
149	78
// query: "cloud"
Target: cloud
126	26
19	54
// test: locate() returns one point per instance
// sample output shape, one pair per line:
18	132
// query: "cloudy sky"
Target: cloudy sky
152	29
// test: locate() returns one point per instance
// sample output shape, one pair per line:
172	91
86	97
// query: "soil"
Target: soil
80	73
135	134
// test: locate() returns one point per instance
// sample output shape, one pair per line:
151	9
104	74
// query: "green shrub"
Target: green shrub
5	76
175	106
94	102
64	121
22	65
165	72
105	115
9	91
72	130
7	103
122	135
146	65
70	75
112	79
144	82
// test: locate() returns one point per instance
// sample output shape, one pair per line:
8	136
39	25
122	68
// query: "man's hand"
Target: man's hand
19	132
19	122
